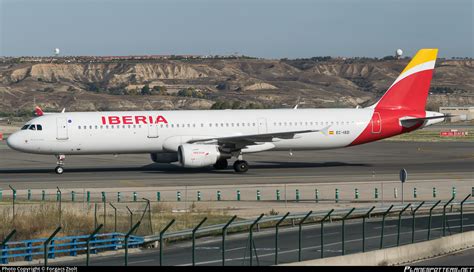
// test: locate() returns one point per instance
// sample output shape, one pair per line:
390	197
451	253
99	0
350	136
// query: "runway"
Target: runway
209	250
377	161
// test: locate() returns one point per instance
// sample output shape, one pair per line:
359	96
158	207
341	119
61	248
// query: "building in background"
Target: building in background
465	113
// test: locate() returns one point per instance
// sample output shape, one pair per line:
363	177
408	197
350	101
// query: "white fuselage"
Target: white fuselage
121	132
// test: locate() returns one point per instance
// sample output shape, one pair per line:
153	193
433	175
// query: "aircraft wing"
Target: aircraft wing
240	141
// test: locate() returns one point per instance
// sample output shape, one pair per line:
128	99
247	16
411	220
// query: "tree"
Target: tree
236	105
145	90
161	90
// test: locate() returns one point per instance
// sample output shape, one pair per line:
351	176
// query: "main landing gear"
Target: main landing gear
60	162
221	164
241	166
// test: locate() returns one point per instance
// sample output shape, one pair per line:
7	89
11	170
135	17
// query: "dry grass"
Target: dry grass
39	220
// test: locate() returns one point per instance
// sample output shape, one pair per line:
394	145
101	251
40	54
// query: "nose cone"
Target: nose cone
14	141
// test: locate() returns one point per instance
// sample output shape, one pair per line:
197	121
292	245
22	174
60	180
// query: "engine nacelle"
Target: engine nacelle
167	157
195	156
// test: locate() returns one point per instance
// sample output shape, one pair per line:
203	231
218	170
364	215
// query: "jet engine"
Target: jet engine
167	157
194	156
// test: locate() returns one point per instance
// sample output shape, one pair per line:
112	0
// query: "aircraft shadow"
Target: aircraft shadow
175	169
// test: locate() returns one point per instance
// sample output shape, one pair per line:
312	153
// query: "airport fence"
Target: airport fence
409	223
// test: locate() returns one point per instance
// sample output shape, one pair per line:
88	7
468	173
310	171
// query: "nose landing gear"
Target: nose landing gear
60	162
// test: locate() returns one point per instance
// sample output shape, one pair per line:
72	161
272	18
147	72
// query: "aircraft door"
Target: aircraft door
61	128
152	130
376	123
262	125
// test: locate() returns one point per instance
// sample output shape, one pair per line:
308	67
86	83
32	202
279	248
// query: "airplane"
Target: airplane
203	138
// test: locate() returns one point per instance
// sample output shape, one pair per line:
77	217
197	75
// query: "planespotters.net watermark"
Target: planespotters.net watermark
438	269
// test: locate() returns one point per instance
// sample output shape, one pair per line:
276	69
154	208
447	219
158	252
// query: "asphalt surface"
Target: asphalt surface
208	250
380	161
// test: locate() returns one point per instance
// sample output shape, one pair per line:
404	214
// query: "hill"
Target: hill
216	83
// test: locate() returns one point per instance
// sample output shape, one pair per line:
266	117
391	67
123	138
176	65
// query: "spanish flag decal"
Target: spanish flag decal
331	132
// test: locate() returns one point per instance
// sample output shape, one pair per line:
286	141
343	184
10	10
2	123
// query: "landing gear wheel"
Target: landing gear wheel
221	164
59	170
241	166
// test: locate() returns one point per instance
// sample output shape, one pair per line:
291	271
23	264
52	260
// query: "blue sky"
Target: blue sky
262	28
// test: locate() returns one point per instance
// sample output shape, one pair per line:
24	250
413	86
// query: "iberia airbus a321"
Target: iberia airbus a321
201	138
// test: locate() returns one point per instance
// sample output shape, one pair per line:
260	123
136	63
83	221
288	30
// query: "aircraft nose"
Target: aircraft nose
14	141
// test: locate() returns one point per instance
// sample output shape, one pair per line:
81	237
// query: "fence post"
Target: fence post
316	195
278	195
277	226
461	212
88	196
193	257
413	222
414	192
1	194
363	227
115	216
73	196
59	198
161	239
95	214
126	240
383	225
300	231
43	195
158	196
429	218
400	222
88	243
395	192
4	246
344	230
444	215
29	194
297	195
251	235
224	232
322	232
238	195
337	196
13	201
46	246
131	216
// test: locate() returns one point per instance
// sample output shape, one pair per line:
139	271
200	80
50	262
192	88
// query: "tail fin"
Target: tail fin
410	89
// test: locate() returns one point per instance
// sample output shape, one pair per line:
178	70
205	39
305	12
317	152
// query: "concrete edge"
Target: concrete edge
398	255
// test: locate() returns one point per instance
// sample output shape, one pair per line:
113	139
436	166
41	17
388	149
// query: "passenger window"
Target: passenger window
39	127
32	127
90	127
78	127
96	127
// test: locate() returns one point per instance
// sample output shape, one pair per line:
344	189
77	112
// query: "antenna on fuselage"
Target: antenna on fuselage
64	110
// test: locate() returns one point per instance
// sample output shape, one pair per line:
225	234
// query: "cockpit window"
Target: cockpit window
32	127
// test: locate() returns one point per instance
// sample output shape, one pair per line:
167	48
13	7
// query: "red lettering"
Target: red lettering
114	120
103	120
127	120
161	119
139	119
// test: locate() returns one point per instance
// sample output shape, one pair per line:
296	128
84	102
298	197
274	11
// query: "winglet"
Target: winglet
38	111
